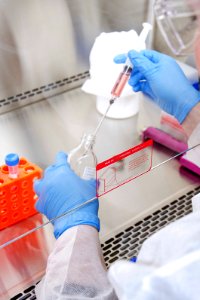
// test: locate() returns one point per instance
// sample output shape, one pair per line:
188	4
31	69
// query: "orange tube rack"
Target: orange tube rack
17	197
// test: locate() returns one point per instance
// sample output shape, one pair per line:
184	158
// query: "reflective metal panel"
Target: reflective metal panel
45	42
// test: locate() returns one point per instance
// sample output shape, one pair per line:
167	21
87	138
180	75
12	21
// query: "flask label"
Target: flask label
124	167
89	173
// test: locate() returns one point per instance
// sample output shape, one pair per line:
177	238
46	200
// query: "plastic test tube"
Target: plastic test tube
12	161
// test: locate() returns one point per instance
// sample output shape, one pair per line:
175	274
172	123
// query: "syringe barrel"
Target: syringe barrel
121	81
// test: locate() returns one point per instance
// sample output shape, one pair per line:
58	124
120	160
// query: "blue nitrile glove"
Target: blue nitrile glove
161	78
61	190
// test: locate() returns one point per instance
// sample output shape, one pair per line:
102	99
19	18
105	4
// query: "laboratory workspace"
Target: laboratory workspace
100	160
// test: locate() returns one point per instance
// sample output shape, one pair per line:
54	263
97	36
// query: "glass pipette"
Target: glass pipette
124	75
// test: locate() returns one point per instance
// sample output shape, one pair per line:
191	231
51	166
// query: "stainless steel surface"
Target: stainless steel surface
42	43
41	129
23	262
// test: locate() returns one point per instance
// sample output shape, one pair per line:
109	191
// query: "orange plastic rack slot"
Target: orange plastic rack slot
17	197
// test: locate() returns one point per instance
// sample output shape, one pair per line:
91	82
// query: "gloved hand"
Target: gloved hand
161	78
61	190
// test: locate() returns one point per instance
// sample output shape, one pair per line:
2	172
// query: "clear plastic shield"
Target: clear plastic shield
124	167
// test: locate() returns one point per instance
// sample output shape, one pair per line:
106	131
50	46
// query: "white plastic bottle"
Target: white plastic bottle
82	159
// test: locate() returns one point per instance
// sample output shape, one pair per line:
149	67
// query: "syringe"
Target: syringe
117	89
128	67
122	80
125	74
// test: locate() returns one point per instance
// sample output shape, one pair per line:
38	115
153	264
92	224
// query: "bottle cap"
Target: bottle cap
12	159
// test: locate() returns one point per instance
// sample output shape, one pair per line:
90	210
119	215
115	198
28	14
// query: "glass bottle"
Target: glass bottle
82	159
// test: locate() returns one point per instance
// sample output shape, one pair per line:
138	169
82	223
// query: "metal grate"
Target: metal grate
45	90
127	243
28	293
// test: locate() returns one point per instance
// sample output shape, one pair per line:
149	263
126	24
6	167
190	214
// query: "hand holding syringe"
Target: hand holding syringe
125	74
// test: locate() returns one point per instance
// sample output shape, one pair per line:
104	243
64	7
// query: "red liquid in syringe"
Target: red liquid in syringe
121	81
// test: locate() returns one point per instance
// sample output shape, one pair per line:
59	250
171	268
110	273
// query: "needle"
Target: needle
112	100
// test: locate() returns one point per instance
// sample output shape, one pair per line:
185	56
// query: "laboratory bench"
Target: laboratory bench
37	131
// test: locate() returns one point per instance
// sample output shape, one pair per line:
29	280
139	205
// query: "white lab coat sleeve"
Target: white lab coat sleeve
193	155
75	268
168	265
